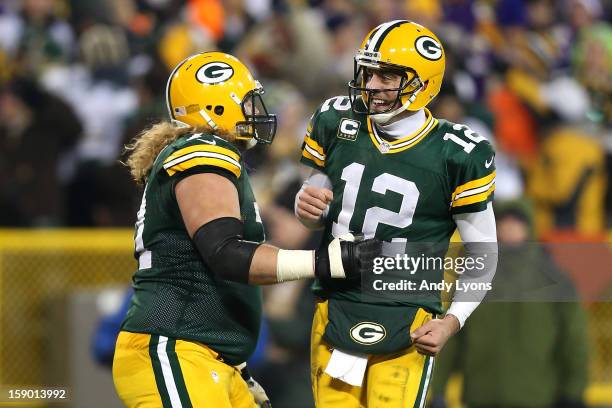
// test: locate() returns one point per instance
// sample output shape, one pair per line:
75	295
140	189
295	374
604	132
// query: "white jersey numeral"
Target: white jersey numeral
468	133
467	146
378	215
353	175
341	103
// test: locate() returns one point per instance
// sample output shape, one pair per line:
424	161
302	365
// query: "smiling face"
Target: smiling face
385	84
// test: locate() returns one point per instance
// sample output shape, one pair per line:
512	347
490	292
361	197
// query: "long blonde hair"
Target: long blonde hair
143	150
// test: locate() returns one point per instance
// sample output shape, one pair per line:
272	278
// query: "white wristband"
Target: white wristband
336	268
462	310
294	264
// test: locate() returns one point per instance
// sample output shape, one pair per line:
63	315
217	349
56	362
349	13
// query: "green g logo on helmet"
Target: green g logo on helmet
428	48
214	72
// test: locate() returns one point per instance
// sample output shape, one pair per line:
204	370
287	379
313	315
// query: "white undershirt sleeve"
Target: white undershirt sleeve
478	233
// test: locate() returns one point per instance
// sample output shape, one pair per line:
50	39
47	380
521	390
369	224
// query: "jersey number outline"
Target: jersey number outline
474	137
353	176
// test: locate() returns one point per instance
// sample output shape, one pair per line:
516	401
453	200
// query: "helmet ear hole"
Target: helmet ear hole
219	110
208	107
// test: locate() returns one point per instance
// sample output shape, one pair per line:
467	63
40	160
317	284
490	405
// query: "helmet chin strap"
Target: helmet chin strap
384	118
179	124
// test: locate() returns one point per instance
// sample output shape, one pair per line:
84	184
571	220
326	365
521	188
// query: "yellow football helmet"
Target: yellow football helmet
408	49
217	90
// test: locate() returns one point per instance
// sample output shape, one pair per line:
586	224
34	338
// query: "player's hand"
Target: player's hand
430	338
312	203
261	399
347	256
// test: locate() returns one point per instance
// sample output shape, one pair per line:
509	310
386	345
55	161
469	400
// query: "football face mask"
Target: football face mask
382	89
258	124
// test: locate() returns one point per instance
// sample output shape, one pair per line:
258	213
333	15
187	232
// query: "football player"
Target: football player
195	313
383	166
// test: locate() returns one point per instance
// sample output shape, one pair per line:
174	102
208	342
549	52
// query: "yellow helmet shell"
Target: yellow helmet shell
208	89
410	47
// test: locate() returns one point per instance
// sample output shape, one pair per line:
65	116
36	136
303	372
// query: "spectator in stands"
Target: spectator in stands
568	184
37	132
37	34
101	81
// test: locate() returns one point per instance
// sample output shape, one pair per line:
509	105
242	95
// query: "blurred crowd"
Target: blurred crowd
80	78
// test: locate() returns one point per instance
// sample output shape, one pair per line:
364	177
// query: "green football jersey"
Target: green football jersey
399	190
175	293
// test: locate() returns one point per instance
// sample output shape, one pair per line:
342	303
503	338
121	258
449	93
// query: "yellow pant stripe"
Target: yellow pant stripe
424	386
158	371
168	373
177	374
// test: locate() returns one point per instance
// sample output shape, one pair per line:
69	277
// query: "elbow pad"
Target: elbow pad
223	250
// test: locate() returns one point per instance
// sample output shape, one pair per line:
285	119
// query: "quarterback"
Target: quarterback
383	166
195	314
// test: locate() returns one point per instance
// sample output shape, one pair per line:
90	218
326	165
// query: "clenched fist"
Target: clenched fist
311	204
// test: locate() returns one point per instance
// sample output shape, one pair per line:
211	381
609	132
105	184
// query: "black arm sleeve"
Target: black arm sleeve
223	250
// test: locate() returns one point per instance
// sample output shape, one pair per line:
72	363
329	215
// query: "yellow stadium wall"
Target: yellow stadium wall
38	269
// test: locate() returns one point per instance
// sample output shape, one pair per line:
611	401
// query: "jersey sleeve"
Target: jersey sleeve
473	179
313	148
204	155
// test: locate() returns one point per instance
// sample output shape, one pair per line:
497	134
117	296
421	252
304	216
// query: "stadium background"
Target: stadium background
80	78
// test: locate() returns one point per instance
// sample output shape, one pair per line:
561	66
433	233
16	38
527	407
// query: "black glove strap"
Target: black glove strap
322	268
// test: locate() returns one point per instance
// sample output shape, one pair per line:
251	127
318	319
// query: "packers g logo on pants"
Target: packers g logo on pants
368	333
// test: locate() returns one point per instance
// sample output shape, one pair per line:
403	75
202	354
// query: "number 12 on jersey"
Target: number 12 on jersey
353	176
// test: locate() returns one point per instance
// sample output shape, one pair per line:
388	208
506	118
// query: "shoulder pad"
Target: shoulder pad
201	149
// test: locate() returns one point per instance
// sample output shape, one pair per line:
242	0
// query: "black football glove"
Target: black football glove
348	256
